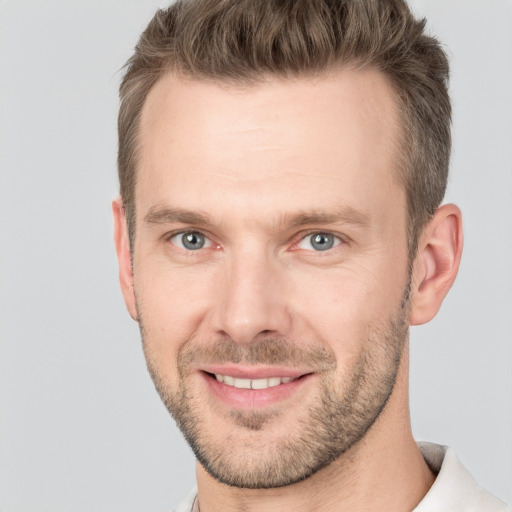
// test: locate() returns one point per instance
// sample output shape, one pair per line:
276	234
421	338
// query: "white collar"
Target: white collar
454	488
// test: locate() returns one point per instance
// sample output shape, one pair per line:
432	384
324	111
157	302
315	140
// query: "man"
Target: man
282	166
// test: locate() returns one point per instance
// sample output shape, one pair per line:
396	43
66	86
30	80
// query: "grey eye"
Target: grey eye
191	241
322	241
319	241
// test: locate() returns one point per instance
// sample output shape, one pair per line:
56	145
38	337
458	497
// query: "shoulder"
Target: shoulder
454	488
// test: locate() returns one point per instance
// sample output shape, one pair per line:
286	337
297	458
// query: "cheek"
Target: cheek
343	306
171	302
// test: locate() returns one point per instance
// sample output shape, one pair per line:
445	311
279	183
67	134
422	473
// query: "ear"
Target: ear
122	243
436	263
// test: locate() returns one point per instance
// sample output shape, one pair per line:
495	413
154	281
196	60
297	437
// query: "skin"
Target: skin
251	160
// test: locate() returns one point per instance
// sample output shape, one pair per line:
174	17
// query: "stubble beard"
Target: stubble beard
336	422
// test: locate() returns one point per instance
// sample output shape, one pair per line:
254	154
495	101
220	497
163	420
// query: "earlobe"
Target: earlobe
122	243
436	263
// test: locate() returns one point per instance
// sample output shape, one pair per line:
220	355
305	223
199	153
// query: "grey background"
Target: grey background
81	427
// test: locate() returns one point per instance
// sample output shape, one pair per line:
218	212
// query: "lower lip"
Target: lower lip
238	398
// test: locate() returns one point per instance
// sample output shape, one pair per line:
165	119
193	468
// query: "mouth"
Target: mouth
254	388
253	383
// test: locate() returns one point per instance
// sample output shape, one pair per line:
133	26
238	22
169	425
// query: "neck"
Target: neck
385	471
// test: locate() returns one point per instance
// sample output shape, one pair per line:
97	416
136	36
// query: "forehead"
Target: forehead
313	142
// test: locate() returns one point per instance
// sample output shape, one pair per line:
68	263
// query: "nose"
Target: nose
251	300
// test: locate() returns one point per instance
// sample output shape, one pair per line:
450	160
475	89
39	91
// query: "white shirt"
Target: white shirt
454	489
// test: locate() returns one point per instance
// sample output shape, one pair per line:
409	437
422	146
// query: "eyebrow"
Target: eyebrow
164	215
345	215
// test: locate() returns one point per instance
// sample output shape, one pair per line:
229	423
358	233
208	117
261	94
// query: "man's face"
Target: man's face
270	267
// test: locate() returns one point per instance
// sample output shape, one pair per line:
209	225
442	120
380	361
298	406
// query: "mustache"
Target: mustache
271	351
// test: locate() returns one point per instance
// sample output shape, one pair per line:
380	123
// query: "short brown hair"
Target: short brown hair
242	41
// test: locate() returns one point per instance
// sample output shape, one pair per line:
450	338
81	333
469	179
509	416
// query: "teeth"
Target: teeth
259	384
242	383
253	383
274	381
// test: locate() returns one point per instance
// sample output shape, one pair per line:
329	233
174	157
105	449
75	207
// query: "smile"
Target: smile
244	387
253	383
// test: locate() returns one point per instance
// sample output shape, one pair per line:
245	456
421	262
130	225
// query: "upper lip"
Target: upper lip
253	372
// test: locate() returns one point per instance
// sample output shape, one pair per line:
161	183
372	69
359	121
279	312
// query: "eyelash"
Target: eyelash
209	240
339	240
